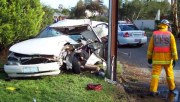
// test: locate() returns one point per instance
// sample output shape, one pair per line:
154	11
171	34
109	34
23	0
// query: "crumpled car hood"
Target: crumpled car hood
42	46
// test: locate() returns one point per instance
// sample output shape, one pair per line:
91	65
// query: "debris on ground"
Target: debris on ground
96	87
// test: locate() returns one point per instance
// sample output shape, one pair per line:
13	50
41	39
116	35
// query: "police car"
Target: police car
129	34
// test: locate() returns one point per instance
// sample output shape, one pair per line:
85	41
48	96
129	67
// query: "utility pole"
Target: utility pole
112	39
175	17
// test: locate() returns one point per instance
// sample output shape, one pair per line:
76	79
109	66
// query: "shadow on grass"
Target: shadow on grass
3	75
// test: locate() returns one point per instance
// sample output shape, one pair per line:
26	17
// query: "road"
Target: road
137	56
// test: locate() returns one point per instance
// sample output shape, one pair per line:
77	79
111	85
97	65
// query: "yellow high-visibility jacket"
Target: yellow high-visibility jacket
162	57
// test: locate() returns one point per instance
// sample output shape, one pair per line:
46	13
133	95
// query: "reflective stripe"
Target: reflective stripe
161	62
162	32
155	76
161	49
169	78
174	54
149	53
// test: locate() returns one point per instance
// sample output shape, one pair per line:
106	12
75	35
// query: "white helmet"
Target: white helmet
164	21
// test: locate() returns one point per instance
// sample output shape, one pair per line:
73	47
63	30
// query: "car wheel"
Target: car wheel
139	45
76	66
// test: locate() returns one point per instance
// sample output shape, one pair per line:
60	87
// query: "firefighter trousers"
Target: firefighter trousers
155	74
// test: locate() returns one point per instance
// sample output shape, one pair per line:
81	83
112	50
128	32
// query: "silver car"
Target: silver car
129	34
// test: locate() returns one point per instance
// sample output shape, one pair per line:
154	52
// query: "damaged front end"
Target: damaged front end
21	65
70	43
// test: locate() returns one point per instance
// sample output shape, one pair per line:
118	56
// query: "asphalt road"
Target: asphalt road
137	56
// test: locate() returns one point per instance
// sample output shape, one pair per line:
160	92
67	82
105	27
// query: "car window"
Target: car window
75	37
128	27
49	32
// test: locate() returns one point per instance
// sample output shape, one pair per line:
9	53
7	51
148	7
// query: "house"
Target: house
58	16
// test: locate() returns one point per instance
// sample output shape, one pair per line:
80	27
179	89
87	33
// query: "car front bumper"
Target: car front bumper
32	69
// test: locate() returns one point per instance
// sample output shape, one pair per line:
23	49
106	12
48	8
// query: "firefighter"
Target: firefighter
162	53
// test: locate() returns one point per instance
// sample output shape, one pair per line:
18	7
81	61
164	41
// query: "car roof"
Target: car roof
125	22
71	23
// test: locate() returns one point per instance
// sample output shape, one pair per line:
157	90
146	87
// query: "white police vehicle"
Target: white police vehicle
129	34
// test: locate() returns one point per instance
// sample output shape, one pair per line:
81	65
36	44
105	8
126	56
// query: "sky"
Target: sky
65	3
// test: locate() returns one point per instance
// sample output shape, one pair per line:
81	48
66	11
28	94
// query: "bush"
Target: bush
20	19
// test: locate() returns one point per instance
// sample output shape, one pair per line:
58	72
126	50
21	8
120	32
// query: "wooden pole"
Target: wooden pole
112	42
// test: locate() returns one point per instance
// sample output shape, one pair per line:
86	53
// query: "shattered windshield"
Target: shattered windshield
49	32
73	32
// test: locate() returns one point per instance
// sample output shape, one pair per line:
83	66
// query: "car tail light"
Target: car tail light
126	34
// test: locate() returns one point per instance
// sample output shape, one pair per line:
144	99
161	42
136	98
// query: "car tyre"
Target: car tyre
139	45
76	66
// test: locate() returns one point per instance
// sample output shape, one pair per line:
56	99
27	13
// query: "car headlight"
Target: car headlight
12	63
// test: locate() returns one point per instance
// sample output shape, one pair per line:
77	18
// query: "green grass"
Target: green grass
119	68
65	87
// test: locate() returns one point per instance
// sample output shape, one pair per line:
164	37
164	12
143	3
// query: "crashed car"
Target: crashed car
71	43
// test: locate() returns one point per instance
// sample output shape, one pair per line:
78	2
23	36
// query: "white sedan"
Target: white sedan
129	34
60	43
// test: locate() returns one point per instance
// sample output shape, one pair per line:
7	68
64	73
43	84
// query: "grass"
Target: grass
119	68
65	87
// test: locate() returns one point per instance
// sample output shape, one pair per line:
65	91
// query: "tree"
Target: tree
65	11
95	7
139	9
60	7
78	11
48	16
20	19
131	10
151	8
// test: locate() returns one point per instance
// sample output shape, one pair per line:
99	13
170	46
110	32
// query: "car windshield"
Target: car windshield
75	37
128	27
49	32
73	32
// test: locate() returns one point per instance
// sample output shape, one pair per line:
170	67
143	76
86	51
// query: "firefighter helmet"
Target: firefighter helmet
164	21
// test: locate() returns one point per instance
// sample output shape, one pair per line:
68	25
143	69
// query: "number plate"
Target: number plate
137	40
30	69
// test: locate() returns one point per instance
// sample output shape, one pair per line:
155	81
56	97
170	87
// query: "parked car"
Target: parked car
129	34
72	43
